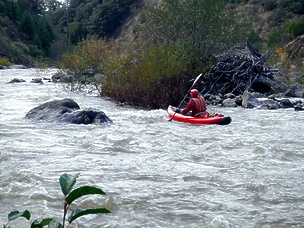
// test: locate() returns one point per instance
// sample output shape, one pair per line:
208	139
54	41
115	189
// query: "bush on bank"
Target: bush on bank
150	78
147	76
4	62
87	58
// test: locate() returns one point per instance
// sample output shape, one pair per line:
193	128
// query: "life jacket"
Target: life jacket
199	105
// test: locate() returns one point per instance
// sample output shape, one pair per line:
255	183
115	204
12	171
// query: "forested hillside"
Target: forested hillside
39	29
46	29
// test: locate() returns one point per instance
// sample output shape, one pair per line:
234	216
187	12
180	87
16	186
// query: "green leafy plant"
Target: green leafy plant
4	61
67	183
149	78
296	28
16	214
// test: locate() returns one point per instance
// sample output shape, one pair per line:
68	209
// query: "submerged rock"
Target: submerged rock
16	80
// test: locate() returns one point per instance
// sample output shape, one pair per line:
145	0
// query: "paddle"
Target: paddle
195	81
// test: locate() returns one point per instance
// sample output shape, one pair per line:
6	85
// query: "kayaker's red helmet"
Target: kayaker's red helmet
194	93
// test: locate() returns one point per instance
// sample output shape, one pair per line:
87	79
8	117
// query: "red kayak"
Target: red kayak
208	119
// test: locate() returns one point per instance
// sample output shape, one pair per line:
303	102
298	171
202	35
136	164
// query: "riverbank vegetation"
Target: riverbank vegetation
174	41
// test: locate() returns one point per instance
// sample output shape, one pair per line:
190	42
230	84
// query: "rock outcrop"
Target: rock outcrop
67	110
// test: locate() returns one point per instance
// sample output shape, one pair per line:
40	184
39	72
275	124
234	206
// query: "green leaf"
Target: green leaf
67	182
85	190
55	224
16	214
44	222
80	212
36	224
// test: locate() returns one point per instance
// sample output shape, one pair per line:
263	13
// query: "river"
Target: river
155	173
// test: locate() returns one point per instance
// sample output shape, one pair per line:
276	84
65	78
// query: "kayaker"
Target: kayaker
196	106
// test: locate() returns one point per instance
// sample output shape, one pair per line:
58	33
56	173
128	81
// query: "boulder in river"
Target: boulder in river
229	102
249	100
16	80
67	110
269	104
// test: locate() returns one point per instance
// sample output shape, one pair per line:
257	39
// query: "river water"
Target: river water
155	173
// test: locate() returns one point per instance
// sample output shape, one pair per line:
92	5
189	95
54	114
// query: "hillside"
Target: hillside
12	42
273	25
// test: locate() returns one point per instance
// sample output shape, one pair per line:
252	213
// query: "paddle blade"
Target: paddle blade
195	81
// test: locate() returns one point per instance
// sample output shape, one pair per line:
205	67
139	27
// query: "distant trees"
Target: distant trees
91	18
28	15
2	8
107	17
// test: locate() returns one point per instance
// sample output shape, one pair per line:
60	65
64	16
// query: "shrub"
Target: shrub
296	28
151	79
277	37
87	58
277	17
294	6
284	3
270	5
4	61
253	37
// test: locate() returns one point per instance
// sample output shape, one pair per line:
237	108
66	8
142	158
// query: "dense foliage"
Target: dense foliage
207	27
80	19
29	17
47	28
151	78
296	28
178	40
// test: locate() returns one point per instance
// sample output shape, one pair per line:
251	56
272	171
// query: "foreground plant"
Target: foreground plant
67	183
16	214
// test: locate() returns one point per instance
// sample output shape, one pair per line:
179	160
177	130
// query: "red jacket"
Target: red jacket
196	105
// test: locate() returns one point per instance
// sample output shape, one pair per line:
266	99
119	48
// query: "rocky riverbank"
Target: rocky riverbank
256	100
242	77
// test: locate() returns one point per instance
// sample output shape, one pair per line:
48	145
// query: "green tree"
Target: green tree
108	16
207	26
13	10
52	5
27	25
44	35
35	6
2	8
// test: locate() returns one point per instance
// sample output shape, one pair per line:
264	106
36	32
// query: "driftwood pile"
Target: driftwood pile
238	70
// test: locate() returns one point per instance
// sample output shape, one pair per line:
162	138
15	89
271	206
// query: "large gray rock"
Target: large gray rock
269	104
229	102
249	100
286	103
67	110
